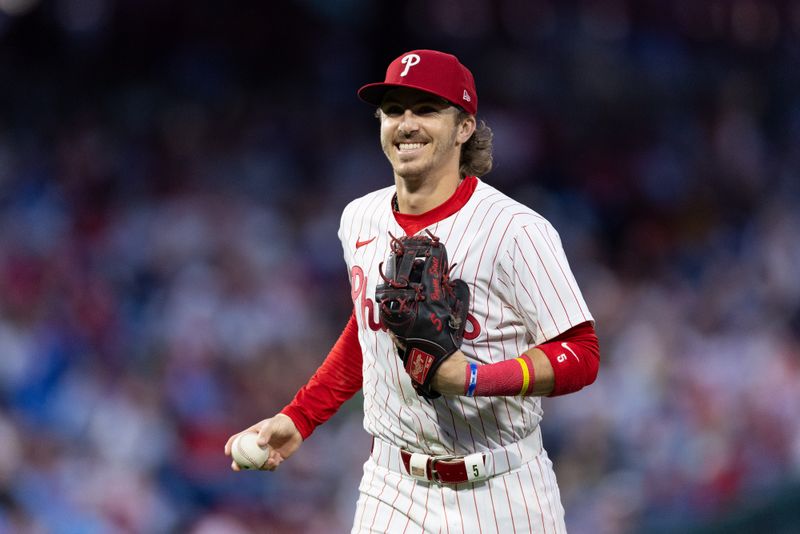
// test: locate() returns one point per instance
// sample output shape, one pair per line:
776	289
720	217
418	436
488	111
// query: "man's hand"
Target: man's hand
450	378
279	433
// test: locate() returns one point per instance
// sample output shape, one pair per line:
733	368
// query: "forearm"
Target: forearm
563	365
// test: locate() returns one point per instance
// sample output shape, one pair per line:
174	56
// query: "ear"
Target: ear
465	129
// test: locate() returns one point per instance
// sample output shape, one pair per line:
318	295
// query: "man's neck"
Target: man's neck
415	195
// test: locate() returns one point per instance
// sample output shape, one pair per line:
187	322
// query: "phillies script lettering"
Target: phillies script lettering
368	311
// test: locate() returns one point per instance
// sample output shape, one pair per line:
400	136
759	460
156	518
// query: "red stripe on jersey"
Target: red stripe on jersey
518	277
547	494
524	500
493	263
377	500
411	224
536	494
568	278
336	380
547	273
494	509
467	227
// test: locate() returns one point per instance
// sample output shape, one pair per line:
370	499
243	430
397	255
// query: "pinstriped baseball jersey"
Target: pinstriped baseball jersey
522	294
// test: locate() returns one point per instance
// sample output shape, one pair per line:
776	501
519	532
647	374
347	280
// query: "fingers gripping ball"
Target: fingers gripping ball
422	306
246	452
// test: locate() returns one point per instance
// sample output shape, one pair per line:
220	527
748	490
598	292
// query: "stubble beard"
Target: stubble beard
417	171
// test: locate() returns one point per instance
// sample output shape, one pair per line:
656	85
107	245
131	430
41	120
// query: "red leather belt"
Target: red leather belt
439	469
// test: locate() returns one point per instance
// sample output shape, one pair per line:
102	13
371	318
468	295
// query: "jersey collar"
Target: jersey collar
411	224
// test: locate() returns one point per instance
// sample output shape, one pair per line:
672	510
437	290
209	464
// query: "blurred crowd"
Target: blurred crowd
171	180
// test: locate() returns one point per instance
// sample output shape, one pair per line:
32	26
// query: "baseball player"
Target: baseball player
468	456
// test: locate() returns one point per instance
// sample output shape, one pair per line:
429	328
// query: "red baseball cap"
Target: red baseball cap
430	71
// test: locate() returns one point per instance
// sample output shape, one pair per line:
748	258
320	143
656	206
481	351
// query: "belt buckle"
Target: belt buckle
441	457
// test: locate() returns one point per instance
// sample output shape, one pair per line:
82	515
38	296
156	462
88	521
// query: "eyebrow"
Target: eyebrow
425	99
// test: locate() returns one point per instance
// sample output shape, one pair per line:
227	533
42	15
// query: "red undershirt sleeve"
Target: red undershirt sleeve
335	381
575	357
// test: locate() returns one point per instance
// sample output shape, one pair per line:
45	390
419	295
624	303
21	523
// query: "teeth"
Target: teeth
410	146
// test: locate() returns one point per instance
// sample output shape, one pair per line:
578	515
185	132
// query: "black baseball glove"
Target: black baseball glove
422	307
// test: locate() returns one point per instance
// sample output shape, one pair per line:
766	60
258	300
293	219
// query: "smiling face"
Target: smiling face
419	134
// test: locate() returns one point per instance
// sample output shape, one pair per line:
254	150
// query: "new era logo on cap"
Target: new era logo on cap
430	71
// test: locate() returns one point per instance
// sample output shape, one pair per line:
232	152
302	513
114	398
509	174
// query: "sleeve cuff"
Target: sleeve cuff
304	426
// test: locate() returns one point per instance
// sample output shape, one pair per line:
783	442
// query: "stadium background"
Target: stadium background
171	177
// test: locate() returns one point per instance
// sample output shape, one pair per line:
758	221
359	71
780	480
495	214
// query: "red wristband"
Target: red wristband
507	378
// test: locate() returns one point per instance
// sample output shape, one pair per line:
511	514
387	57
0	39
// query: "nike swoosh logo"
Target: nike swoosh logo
572	351
360	243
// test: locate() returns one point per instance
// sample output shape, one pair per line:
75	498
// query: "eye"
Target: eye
426	110
392	110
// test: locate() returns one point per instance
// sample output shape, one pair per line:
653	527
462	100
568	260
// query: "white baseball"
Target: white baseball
246	452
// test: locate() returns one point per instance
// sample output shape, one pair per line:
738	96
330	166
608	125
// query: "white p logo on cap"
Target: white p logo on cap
409	61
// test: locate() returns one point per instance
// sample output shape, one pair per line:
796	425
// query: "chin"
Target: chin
409	171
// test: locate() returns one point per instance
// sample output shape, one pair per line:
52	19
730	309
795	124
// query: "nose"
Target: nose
408	122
